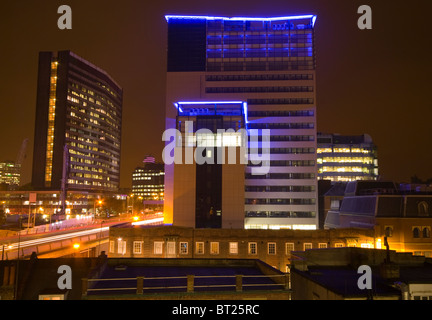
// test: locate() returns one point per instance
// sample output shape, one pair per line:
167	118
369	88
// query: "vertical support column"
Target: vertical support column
287	281
239	282
140	285
12	272
190	283
84	285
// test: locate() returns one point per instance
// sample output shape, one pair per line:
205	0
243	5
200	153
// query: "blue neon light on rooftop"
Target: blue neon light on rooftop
310	16
243	105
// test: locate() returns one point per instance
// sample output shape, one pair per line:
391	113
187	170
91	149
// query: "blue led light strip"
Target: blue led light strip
243	103
310	16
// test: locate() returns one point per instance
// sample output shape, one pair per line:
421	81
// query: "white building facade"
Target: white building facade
269	63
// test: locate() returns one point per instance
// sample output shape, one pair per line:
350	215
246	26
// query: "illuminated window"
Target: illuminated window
199	247
183	248
214	247
322	245
288	248
252	248
339	245
307	246
121	246
111	246
158	247
271	248
137	247
233	247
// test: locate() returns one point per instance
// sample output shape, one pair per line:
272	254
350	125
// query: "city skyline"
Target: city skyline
376	74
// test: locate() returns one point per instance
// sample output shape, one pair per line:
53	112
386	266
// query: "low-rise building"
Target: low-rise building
270	246
333	274
403	219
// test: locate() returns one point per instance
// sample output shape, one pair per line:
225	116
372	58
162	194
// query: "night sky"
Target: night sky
368	81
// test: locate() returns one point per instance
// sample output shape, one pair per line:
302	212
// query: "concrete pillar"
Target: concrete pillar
239	282
5	276
84	285
140	285
287	281
12	275
190	283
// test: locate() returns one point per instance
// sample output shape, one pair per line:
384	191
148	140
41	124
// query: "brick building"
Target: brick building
270	246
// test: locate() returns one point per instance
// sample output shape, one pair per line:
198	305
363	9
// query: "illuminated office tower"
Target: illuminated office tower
344	158
10	173
79	106
148	180
269	63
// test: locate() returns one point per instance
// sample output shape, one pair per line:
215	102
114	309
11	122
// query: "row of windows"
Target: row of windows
284	138
288	163
294	125
292	150
258	89
170	247
240	38
281	176
281	113
260	77
280	214
279	188
417	231
259	53
280	201
281	101
293	63
239	25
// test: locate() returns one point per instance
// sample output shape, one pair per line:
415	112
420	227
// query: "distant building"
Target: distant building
148	184
346	158
148	180
332	274
79	106
10	174
403	219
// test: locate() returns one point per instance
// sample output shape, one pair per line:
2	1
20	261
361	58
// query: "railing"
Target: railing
282	281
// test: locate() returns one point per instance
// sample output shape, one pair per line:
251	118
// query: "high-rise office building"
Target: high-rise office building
148	180
268	63
78	108
10	173
343	158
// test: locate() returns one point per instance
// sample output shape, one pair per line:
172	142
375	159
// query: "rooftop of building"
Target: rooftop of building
106	278
337	270
169	276
335	138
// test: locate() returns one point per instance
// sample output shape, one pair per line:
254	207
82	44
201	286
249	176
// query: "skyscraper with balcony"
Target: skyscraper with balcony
79	106
268	63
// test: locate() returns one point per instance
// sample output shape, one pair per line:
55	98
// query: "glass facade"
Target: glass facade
270	64
346	158
148	181
240	44
10	173
84	112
